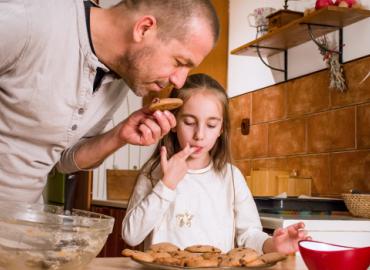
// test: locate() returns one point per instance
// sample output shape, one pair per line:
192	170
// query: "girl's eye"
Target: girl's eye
213	124
189	123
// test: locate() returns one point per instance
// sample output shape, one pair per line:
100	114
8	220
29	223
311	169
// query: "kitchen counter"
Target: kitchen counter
120	263
335	229
111	203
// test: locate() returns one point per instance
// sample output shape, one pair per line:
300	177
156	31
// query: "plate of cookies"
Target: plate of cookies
168	256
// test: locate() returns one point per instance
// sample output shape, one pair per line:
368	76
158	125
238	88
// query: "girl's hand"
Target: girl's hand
286	240
176	167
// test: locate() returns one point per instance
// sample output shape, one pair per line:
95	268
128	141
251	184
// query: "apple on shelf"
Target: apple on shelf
340	3
323	3
345	3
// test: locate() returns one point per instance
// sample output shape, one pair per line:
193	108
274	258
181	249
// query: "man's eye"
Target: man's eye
179	64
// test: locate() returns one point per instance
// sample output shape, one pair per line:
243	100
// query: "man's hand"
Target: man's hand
140	128
145	128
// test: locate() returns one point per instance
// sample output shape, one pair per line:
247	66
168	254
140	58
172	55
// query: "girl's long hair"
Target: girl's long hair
220	153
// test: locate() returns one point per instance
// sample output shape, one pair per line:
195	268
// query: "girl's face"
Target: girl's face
199	123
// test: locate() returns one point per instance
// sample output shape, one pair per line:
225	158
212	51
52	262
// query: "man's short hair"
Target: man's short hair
173	15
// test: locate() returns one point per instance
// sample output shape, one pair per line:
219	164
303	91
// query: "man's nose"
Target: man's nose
179	76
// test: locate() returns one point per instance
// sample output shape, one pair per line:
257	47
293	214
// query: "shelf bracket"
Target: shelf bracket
314	39
285	70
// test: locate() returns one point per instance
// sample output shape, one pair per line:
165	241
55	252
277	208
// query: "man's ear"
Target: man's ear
143	26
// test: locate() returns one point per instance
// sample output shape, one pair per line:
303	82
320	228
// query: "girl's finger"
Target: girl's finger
297	226
292	231
191	151
302	234
278	232
186	152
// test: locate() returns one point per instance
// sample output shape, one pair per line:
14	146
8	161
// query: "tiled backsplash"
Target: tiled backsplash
303	125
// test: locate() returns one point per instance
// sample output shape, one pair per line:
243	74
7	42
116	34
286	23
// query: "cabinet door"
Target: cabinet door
83	193
115	244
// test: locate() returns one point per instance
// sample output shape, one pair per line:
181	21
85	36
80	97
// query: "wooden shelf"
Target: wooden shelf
322	22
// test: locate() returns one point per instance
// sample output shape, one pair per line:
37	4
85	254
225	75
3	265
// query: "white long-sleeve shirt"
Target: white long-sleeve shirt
205	208
47	103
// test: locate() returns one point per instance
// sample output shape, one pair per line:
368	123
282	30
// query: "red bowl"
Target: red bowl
325	256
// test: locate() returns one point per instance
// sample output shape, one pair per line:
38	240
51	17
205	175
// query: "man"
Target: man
60	65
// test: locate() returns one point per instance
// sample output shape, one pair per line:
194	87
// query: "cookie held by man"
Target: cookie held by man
165	104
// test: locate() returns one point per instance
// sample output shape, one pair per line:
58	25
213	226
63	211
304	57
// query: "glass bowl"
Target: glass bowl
36	236
324	256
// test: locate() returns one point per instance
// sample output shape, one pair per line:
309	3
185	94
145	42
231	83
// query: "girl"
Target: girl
188	192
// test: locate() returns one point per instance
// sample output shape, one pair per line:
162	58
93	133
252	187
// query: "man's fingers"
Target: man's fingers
146	110
154	127
146	135
165	120
171	118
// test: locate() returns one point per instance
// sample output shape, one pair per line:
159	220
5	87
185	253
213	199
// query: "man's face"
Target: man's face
152	65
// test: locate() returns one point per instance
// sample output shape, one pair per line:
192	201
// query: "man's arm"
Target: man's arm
140	128
13	33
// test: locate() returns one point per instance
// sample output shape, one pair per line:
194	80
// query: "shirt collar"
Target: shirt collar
202	170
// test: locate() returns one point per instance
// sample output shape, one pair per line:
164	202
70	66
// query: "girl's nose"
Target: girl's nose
199	134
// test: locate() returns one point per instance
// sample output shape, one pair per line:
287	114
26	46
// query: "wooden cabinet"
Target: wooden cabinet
115	243
83	192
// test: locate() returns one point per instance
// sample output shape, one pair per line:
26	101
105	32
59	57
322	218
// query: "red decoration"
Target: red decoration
349	2
324	3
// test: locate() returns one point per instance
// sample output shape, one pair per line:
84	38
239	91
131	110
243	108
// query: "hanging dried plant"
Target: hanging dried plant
365	78
337	79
